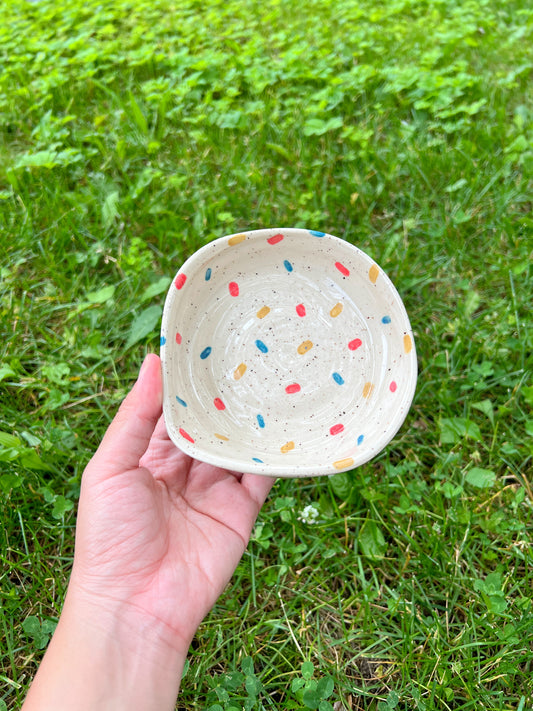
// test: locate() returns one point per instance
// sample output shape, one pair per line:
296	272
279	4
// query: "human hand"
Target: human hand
158	537
159	533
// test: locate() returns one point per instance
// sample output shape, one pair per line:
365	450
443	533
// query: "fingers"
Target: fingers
160	432
258	487
128	436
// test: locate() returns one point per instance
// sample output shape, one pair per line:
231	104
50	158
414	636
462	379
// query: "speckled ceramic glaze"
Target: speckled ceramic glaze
285	352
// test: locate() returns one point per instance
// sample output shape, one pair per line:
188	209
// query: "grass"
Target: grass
133	133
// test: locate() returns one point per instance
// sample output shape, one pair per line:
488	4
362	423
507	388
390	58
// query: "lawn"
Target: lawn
131	133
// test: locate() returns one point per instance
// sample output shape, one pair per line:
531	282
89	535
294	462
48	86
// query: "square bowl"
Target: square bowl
285	352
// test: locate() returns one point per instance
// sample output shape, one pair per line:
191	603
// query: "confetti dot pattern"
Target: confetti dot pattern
186	435
367	389
240	370
373	274
285	352
336	310
344	464
180	281
304	347
236	239
343	270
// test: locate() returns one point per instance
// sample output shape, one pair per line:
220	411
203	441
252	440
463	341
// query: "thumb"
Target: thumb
128	436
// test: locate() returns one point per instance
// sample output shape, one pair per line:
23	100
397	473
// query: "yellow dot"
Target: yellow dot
407	343
343	463
240	371
287	447
222	437
237	239
367	390
263	312
336	310
373	273
304	347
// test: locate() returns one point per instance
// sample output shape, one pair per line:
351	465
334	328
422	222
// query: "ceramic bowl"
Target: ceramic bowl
285	352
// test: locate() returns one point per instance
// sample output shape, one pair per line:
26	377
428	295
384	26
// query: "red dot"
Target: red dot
393	386
186	435
342	269
233	288
219	404
180	281
355	344
300	310
336	429
275	239
178	338
294	388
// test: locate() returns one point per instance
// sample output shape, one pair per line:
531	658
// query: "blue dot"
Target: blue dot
181	402
208	273
315	233
386	319
162	341
337	377
260	421
256	459
288	265
206	352
261	346
360	439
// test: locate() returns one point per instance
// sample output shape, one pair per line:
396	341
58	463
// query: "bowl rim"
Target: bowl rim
230	463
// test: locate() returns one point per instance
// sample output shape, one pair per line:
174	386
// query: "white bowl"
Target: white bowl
285	352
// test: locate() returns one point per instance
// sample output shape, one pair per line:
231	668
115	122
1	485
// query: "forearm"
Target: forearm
96	661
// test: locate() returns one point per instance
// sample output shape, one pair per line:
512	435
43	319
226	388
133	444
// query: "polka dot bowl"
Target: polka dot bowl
285	352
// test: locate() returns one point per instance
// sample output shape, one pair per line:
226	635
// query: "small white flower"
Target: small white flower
309	514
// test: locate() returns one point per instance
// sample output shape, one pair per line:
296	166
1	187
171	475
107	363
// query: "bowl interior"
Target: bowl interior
285	352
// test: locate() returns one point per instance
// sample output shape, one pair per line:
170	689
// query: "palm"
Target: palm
166	537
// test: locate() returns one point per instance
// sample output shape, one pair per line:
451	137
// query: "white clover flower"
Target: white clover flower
309	514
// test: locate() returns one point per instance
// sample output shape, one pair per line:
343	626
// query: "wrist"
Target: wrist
134	630
110	658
